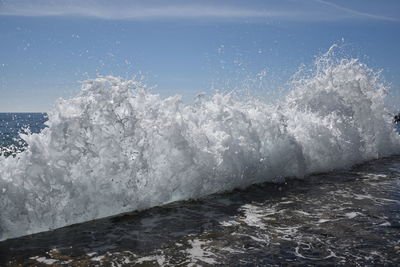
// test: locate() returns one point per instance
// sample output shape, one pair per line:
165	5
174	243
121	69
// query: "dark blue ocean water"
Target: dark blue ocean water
12	124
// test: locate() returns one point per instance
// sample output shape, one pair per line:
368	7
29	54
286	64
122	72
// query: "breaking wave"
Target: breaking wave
116	148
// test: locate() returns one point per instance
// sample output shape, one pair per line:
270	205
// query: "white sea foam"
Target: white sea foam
116	147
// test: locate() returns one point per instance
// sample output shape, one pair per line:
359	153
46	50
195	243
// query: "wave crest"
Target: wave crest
116	148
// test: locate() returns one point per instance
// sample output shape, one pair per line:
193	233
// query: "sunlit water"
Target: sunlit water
348	217
340	218
12	124
117	148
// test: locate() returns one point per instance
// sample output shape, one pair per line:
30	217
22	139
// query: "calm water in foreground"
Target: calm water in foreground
349	217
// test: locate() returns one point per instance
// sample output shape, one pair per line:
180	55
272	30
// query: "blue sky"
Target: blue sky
184	47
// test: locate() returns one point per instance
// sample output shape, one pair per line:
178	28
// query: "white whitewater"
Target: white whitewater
117	148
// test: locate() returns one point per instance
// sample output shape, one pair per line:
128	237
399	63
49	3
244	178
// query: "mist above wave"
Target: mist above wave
116	147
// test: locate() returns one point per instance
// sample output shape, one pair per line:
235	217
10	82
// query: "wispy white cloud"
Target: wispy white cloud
144	12
148	10
134	10
131	10
355	12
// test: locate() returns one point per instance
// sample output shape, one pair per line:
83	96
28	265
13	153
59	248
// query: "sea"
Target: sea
119	176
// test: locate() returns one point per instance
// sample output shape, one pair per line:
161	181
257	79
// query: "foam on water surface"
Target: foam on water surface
116	148
312	222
